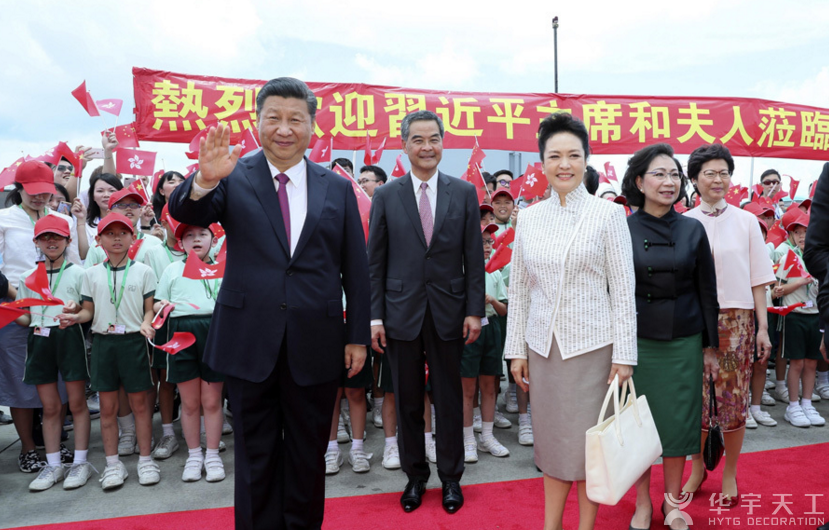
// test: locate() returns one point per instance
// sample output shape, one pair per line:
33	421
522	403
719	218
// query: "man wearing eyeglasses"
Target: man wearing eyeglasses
503	178
770	180
63	172
371	177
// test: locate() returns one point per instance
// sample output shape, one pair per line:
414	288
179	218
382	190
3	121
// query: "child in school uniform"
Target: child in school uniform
198	385
482	362
117	296
158	258
801	328
52	351
128	203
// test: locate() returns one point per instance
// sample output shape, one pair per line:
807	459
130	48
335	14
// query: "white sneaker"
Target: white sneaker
48	477
165	448
764	418
126	443
782	396
342	434
796	416
227	428
114	476
813	416
822	391
148	473
192	468
377	417
767	400
769	384
511	399
815	396
750	423
359	461
431	452
470	452
500	421
476	423
203	443
214	470
391	457
525	434
492	446
78	475
333	461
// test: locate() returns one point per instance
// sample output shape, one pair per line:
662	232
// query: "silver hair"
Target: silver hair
420	115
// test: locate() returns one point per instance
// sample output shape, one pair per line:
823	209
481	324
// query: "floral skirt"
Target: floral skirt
735	356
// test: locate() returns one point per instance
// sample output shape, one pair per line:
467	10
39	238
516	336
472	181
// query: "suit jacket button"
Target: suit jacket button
428	257
428	282
290	272
283	306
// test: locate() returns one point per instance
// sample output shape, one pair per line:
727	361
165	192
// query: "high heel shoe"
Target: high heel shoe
665	517
731	502
701	482
631	527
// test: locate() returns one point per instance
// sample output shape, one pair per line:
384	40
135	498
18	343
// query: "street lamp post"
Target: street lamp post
555	51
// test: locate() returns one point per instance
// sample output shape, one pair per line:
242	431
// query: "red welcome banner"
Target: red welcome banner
173	107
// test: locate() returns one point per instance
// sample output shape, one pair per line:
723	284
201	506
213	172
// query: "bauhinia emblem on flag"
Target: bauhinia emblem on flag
112	106
321	152
134	162
196	269
610	171
250	141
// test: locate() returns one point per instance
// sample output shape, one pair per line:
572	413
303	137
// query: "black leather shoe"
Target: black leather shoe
452	497
823	527
412	495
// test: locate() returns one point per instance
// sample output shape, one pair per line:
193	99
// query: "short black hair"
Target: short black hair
638	165
160	200
502	172
591	179
344	162
287	87
768	172
558	123
378	172
706	153
419	115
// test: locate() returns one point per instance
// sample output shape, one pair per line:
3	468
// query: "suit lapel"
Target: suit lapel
316	188
407	197
262	183
444	197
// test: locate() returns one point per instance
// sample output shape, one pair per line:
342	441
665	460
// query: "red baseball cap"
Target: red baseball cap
758	209
806	203
36	178
503	191
124	193
486	207
114	218
794	217
52	224
620	199
181	227
491	228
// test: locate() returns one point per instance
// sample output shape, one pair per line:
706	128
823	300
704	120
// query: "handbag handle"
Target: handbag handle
617	404
713	415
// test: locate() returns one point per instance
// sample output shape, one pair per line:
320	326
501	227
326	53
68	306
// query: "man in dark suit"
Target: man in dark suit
295	242
816	253
427	296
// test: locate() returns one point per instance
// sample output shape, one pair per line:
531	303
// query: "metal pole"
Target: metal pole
555	51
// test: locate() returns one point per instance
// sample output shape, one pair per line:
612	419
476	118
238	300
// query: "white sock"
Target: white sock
805	402
523	418
143	459
476	411
794	404
433	410
486	429
126	423
167	429
755	409
378	403
823	378
780	386
468	434
201	424
356	444
112	460
391	440
53	459
80	456
195	452
332	446
428	437
212	454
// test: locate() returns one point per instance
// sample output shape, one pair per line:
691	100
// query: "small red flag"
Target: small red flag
249	142
603	178
477	156
680	207
535	183
735	195
499	258
516	186
125	134
793	186
222	254
112	106
193	149
134	248
181	340
159	319
812	192
32	302
372	159
474	177
398	170
792	266
7	175
505	238
321	152
778	196
777	234
134	162
192	168
785	310
610	171
196	269
9	314
85	99
363	202
758	190
697	201
38	282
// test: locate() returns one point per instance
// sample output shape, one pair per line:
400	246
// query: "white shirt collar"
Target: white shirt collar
296	174
432	183
710	208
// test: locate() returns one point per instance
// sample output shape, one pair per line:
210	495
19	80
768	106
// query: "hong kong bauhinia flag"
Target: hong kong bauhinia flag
196	269
321	152
398	170
134	162
112	106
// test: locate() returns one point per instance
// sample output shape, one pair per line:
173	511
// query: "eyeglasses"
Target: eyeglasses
503	182
126	206
661	175
489	241
63	168
710	174
365	181
770	182
50	237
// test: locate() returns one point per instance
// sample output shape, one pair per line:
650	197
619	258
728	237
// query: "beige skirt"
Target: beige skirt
566	397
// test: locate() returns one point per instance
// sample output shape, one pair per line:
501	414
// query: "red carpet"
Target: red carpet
790	475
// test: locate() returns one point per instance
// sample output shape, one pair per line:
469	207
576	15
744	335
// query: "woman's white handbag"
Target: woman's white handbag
621	448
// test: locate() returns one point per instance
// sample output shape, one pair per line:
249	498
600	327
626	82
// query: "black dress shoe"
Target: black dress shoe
452	497
412	495
823	527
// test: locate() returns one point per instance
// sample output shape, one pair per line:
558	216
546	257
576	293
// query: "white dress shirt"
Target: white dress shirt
431	192
297	189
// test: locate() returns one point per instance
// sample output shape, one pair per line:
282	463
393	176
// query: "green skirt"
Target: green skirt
669	373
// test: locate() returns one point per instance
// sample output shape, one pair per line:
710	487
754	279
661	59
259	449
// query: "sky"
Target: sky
758	48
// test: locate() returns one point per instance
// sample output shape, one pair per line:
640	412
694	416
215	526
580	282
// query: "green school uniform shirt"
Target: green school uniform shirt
496	289
140	285
804	293
160	257
67	289
173	286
